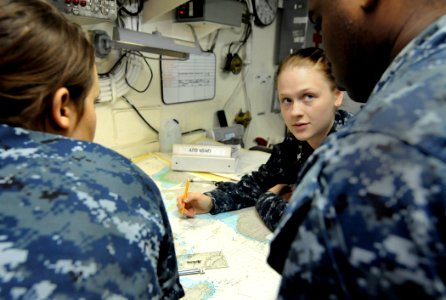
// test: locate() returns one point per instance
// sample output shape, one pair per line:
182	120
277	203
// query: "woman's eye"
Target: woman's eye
285	100
308	98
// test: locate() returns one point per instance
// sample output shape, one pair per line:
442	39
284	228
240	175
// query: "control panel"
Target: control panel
105	10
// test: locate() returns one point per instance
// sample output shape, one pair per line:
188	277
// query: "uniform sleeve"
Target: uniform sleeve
230	196
167	264
270	207
245	193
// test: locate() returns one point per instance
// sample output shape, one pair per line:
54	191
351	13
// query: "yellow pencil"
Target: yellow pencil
184	197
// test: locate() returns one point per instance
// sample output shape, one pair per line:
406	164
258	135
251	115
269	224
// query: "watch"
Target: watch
264	11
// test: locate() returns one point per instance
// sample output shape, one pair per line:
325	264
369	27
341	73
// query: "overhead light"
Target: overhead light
141	41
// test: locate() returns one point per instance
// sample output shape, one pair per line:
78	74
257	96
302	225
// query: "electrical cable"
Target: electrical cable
140	115
195	37
130	13
194	130
214	42
247	33
112	69
150	80
122	76
151	127
114	85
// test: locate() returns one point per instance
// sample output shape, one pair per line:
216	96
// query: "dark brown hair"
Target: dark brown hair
308	57
41	51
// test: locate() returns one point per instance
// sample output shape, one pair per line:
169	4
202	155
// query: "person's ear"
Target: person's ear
61	111
339	98
369	5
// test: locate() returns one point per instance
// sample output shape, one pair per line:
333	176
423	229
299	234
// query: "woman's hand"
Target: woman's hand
194	203
283	190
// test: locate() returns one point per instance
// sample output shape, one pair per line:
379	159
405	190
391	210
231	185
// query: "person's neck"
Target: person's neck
421	17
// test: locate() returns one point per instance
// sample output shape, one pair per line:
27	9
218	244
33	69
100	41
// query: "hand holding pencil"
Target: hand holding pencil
191	203
184	197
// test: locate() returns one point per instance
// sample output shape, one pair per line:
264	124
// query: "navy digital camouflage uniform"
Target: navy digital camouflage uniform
368	219
78	220
286	159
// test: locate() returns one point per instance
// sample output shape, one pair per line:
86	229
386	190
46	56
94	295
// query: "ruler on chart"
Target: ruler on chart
205	260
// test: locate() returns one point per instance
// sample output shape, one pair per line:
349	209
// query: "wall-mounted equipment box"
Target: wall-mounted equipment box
294	28
88	11
227	12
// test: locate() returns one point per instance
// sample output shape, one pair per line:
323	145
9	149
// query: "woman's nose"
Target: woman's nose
296	109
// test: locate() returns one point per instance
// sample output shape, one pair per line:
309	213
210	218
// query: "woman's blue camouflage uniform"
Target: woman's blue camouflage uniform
80	221
368	220
286	159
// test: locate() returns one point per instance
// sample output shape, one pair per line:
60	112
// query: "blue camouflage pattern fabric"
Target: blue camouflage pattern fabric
286	159
79	221
368	220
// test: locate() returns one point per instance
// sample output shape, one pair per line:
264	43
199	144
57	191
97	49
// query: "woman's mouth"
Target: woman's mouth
300	126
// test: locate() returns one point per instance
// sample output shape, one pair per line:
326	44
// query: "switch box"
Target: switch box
227	12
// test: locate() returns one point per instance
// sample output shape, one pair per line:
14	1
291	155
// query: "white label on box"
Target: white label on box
202	150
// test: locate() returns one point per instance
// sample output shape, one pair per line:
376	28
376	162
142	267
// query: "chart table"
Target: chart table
231	247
